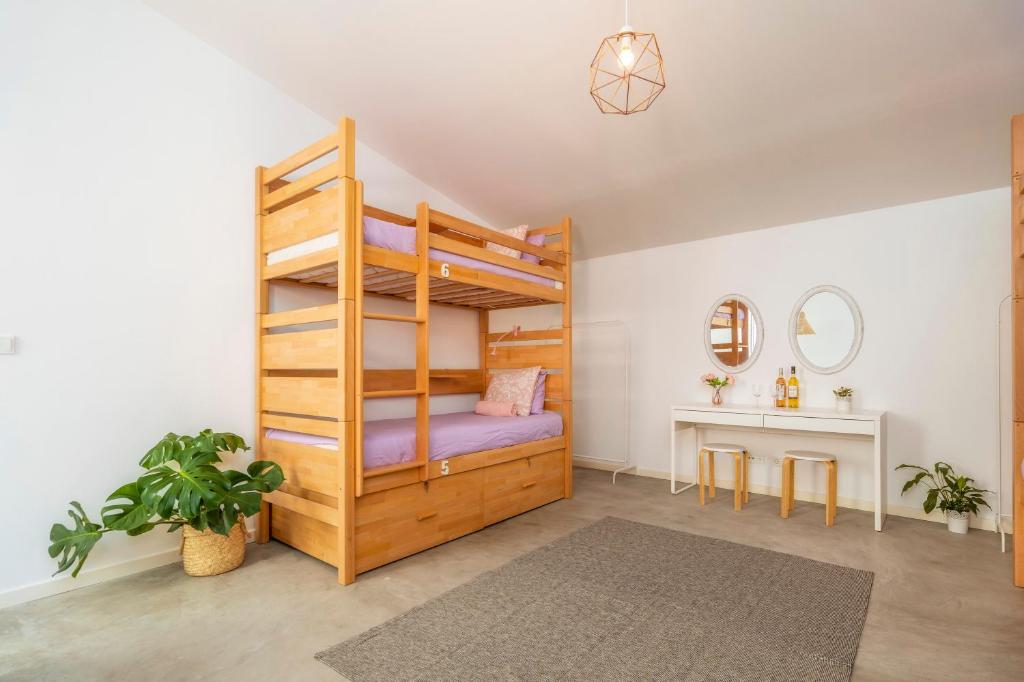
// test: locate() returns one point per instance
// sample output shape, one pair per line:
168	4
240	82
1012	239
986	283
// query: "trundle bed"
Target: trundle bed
359	494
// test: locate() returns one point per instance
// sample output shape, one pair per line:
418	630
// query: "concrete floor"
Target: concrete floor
942	608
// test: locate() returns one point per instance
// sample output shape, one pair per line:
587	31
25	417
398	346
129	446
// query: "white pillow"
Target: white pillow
517	232
514	386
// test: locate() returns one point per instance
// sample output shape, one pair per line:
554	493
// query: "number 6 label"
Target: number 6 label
445	270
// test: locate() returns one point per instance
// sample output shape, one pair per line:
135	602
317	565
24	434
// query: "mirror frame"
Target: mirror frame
858	329
754	352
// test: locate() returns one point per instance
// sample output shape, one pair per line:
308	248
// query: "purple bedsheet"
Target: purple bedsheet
400	238
390	441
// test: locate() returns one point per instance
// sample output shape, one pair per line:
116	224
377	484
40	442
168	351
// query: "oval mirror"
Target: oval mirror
733	333
826	329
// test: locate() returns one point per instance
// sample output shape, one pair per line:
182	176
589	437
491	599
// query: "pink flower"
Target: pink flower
708	377
730	379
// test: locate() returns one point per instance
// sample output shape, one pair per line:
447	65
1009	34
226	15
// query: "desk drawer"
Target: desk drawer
823	424
715	417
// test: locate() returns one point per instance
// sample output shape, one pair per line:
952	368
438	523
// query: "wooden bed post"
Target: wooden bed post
1017	312
485	322
262	308
567	353
348	280
423	339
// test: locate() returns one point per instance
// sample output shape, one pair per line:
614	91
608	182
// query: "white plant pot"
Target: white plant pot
957	522
843	405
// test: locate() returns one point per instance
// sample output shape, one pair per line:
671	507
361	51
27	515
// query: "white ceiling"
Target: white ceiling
775	112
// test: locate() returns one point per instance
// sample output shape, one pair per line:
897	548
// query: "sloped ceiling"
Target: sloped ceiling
776	111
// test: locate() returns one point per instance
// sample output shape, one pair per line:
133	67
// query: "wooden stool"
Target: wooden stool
741	459
789	488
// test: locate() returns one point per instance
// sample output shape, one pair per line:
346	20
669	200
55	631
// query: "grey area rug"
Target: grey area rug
620	600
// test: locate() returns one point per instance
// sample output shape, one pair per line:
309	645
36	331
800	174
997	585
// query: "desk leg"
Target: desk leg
672	467
881	474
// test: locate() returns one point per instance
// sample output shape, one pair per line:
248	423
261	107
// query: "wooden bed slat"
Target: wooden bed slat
305	466
307	182
486	458
303	506
442	381
459	225
548	356
528	335
320	313
306	534
295	266
314	349
317	150
392	260
306	219
482	254
319	427
488	280
313	396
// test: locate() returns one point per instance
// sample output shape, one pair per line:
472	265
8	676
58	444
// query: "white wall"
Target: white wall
126	257
928	278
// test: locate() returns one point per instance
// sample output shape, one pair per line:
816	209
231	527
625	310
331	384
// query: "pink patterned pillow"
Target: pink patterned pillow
537	240
539	392
517	232
515	386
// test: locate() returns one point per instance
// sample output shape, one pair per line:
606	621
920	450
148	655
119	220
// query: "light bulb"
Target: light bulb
626	56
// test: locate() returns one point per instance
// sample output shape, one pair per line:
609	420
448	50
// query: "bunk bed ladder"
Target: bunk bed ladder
421	318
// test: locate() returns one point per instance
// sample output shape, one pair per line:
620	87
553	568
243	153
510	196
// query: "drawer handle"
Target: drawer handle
424	517
529	484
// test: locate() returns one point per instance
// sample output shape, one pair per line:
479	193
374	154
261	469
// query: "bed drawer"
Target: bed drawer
521	485
401	521
824	424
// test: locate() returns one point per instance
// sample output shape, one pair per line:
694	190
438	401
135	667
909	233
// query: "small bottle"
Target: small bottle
780	389
793	394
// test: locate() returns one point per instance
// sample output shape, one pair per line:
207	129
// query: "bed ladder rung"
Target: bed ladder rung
391	318
400	393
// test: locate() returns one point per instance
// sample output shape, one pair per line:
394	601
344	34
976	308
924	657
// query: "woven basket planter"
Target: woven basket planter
208	553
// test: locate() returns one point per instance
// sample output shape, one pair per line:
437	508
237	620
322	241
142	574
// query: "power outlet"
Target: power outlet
6	345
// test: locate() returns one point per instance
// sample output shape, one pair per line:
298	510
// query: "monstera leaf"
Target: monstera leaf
125	509
179	448
268	474
73	544
179	487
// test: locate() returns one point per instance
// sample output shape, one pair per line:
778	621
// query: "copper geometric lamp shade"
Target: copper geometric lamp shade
627	73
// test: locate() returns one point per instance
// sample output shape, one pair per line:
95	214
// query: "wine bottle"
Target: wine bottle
793	394
780	389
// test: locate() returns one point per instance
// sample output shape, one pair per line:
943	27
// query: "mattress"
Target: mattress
392	441
403	239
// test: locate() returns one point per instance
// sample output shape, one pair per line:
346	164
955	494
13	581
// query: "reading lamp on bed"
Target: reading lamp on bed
514	332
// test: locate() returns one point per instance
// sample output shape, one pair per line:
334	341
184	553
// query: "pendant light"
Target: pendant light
627	73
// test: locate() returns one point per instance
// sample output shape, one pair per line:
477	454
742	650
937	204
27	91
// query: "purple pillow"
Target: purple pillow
539	389
537	240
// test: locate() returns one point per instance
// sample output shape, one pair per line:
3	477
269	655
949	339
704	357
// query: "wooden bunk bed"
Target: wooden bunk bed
312	381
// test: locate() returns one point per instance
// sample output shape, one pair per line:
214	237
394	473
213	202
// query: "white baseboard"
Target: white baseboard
48	588
981	523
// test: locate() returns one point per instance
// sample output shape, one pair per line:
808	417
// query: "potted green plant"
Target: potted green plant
953	494
182	488
844	398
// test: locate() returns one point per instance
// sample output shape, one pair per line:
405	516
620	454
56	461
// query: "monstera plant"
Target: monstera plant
182	486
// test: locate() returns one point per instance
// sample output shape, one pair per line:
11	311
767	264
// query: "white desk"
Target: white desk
864	423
